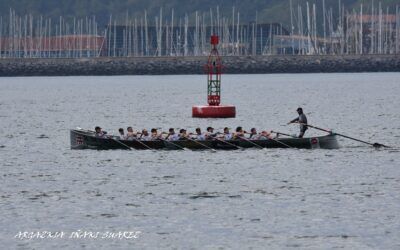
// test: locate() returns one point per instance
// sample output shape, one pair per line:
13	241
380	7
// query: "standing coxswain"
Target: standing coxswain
302	119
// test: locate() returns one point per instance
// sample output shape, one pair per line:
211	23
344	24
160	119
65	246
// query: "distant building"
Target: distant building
364	34
283	44
375	33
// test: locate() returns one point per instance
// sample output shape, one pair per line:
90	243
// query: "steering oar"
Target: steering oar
375	145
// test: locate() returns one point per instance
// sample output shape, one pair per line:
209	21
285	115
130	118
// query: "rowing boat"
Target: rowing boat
84	139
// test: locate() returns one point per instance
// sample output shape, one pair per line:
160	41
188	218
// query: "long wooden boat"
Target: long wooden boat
83	139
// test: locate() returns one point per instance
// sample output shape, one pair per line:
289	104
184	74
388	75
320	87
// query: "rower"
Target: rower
239	132
210	133
253	134
130	135
302	119
199	135
265	135
154	134
182	134
145	136
172	136
99	132
121	134
227	135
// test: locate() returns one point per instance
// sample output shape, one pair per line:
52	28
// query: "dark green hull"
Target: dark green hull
81	139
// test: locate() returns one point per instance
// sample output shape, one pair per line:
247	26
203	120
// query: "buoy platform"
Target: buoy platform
208	111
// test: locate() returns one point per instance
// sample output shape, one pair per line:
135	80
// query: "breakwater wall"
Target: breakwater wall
195	65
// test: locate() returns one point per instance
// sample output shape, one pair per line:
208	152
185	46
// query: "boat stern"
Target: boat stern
325	142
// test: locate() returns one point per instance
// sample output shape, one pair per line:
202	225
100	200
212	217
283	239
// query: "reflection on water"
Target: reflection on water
277	198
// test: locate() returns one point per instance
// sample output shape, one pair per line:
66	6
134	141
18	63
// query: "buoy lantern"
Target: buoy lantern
214	72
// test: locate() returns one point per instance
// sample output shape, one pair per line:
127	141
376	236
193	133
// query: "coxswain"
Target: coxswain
172	136
99	132
130	134
121	134
199	136
302	120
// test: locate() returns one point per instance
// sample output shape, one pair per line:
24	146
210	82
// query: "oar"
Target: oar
176	145
227	143
284	144
205	146
255	144
143	144
280	133
123	144
376	145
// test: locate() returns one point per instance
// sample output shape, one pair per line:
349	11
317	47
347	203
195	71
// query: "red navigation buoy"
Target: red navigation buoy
214	71
223	111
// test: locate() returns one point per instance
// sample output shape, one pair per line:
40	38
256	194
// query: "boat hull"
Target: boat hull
82	139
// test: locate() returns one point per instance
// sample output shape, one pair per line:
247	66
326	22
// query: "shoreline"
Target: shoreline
103	66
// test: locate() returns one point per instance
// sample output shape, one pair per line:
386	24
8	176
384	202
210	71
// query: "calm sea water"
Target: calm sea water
276	198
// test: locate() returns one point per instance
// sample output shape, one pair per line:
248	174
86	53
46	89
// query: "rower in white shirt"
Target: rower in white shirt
209	135
227	134
183	134
199	136
172	136
254	135
100	133
145	136
121	134
265	135
155	135
130	134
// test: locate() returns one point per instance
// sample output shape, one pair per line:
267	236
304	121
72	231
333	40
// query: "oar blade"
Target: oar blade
379	145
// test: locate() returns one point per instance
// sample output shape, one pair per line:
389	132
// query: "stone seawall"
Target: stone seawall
195	65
